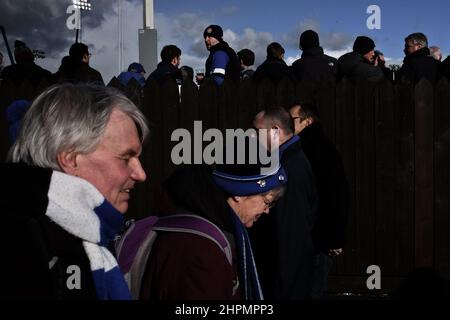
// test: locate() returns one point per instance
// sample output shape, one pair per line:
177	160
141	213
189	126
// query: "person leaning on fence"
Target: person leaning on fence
186	266
314	65
135	71
25	69
168	67
76	69
246	59
284	248
69	177
358	64
332	189
222	60
418	63
274	68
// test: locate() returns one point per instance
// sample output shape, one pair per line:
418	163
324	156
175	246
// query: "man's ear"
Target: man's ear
67	161
236	198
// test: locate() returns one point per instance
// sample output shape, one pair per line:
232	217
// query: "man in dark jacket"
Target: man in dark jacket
25	68
168	67
76	69
417	62
357	65
314	65
332	189
274	67
284	248
222	60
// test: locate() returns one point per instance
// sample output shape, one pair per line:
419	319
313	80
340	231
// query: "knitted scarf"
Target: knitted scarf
248	273
80	209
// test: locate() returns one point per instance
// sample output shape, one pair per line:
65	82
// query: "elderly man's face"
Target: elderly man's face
114	167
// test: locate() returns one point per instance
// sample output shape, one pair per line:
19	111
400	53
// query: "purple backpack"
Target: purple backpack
134	247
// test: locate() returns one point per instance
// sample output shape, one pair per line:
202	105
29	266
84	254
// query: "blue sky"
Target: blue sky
252	24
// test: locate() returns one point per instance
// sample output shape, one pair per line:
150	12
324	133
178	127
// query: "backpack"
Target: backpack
134	247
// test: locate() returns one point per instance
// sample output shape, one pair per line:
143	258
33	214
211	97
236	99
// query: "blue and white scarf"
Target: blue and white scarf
248	273
80	209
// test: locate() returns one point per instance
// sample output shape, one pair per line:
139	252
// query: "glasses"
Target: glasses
269	204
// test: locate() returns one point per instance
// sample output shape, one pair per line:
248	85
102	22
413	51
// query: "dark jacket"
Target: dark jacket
164	71
30	71
417	65
445	68
186	266
357	68
282	241
232	69
32	241
315	66
76	72
273	69
332	188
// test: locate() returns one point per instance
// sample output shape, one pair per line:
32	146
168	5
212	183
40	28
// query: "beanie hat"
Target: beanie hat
246	181
214	31
136	67
309	39
363	45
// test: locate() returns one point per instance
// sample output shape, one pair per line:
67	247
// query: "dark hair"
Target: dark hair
281	117
274	51
192	188
169	52
418	38
247	56
77	51
187	73
307	110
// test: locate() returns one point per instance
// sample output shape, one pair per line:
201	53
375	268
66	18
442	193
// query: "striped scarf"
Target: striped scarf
80	209
248	273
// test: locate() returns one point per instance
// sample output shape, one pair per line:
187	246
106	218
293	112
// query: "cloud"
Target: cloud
229	10
328	40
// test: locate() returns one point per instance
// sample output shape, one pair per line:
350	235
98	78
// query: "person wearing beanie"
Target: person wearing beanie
359	64
135	71
25	67
229	198
222	60
76	69
418	63
314	66
289	275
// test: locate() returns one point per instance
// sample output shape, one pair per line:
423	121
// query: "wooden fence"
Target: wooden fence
395	145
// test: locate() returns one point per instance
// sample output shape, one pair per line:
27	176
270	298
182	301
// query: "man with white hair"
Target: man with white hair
69	179
418	63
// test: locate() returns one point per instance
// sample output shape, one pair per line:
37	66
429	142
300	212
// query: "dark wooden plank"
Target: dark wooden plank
285	93
227	105
345	143
442	178
424	173
208	104
266	94
247	103
388	249
404	168
7	95
325	97
364	175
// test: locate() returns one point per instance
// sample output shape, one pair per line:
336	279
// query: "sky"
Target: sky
249	24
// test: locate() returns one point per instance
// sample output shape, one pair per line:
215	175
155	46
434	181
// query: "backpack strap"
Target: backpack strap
134	248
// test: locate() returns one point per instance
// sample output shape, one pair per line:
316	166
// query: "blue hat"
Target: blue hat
136	67
245	185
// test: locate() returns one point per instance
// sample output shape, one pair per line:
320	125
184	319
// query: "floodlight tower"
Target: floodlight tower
148	55
80	5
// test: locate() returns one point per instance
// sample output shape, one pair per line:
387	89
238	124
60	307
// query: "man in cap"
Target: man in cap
358	64
314	65
135	71
222	60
